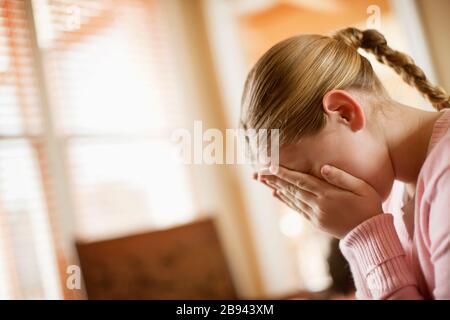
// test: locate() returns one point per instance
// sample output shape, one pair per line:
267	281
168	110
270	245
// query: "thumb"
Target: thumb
343	180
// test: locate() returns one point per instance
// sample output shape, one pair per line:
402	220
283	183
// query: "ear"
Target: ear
340	104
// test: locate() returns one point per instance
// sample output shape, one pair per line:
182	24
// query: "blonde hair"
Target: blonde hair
285	88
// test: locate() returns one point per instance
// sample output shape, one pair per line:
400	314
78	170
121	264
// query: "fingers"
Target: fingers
263	180
343	180
301	180
304	201
292	204
299	199
287	193
307	197
286	200
270	185
301	206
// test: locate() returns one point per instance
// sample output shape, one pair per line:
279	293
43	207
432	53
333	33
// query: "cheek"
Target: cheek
363	158
373	170
372	164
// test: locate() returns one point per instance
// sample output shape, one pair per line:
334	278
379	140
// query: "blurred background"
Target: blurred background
92	202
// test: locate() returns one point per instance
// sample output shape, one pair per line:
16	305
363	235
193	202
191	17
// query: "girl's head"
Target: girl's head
324	97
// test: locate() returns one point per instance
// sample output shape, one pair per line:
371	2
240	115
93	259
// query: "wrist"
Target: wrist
362	222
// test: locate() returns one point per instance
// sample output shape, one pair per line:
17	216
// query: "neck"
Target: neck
407	132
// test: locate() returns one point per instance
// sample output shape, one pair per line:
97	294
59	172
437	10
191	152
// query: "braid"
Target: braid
374	42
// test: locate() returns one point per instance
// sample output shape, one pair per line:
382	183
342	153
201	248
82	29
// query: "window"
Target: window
115	100
27	252
111	99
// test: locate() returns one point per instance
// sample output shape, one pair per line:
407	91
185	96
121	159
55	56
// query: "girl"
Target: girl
343	142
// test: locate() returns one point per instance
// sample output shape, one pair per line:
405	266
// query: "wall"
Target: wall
436	23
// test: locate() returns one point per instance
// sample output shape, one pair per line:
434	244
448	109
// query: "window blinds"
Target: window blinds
27	253
113	93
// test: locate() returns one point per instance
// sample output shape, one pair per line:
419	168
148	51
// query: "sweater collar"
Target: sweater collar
440	128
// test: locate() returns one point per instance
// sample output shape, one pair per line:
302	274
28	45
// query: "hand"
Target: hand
335	205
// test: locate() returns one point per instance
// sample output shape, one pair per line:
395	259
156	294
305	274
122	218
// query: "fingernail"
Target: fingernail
326	169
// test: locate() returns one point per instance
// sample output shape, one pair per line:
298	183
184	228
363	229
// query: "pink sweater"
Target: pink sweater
407	255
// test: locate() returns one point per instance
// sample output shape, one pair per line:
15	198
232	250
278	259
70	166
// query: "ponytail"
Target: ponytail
374	42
